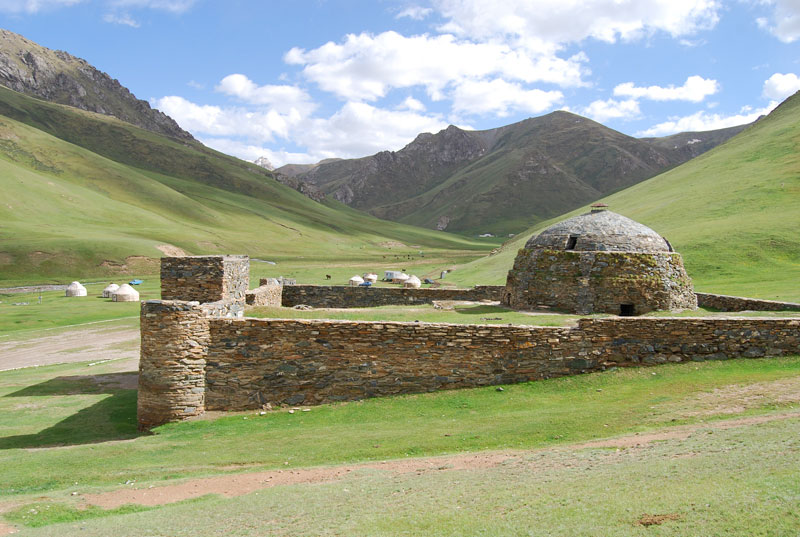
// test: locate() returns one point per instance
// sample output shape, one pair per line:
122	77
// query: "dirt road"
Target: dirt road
90	342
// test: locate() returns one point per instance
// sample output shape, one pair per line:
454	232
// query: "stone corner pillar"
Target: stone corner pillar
172	362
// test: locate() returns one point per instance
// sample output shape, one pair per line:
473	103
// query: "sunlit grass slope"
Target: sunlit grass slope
734	213
87	195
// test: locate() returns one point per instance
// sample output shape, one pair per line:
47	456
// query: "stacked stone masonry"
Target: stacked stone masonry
268	294
172	366
331	296
738	303
588	282
205	278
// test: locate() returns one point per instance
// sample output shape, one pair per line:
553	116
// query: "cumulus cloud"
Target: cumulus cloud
703	121
283	98
501	98
780	86
410	103
367	67
121	18
567	21
414	12
602	111
248	151
695	89
34	6
784	22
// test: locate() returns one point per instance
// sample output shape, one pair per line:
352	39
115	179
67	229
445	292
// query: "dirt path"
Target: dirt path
239	484
91	342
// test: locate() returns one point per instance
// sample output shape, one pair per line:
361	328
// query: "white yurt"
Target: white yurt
355	281
75	289
371	277
110	289
125	293
400	277
412	283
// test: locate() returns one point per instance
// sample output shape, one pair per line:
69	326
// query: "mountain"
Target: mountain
56	76
293	170
733	213
506	179
88	195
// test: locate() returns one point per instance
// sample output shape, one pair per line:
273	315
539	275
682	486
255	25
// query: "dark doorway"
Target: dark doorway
627	310
571	242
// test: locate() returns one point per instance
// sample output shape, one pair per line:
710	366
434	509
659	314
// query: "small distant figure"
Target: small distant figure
327	276
40	299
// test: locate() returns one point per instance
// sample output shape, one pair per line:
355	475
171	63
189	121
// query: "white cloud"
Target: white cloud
780	86
173	6
501	98
262	126
695	89
367	67
703	121
360	129
34	6
121	18
567	21
410	103
283	98
785	20
414	12
602	111
250	152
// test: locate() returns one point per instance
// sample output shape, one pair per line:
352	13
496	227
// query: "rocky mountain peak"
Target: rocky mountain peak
59	77
264	163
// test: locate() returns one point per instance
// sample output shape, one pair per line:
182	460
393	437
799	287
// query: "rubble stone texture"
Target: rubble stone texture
205	278
332	296
599	262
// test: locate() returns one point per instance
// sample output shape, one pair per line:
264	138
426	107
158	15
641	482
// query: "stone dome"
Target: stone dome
602	231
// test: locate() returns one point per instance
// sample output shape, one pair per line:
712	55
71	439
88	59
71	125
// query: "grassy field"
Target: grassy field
732	213
71	429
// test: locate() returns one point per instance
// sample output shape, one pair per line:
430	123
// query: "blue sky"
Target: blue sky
299	81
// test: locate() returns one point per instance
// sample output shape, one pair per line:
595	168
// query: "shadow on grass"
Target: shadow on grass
112	418
482	310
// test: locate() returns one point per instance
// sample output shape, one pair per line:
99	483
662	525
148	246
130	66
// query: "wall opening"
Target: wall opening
627	310
571	242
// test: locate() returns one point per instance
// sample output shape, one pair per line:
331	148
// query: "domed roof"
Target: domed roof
600	230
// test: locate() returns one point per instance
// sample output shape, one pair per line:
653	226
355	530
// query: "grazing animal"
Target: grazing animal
327	276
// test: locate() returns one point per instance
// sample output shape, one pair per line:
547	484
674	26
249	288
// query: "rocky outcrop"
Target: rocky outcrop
305	188
264	162
59	77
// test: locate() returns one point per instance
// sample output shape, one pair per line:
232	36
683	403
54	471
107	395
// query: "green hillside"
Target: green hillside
87	195
734	213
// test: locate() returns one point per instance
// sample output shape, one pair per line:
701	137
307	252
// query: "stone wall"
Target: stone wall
330	296
256	361
268	294
172	366
738	303
208	278
589	282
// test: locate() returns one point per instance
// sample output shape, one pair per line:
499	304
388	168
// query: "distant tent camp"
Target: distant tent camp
125	293
110	289
75	289
400	277
370	277
412	283
355	281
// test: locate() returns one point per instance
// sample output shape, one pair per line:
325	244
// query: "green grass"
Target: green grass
57	310
732	213
732	482
90	196
59	406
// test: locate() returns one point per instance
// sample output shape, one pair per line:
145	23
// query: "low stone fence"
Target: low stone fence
738	303
191	362
337	296
268	294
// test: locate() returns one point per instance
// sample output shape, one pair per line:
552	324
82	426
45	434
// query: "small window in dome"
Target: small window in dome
571	242
627	310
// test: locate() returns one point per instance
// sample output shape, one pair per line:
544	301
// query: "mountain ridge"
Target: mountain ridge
504	179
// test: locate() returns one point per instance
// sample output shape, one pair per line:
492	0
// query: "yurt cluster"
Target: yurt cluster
392	276
117	293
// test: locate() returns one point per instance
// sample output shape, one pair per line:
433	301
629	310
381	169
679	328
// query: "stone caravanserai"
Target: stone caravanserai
199	352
